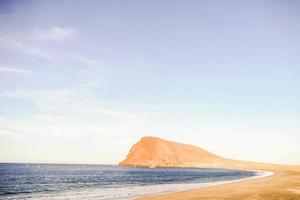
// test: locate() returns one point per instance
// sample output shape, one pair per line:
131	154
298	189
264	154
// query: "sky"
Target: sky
82	81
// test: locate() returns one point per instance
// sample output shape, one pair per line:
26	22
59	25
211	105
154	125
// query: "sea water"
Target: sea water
59	181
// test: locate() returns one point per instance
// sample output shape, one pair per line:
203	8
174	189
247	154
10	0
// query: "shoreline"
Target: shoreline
183	187
282	182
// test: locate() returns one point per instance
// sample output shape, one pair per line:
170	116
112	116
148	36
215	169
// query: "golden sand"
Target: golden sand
283	185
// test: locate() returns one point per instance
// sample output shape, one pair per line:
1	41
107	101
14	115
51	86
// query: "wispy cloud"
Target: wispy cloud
8	69
54	33
72	100
16	44
29	42
42	43
74	115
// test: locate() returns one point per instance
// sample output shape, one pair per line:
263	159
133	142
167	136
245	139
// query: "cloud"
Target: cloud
54	33
30	42
43	43
7	69
18	45
76	105
76	118
70	100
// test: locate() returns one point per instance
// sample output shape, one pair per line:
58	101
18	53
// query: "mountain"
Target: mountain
153	151
157	152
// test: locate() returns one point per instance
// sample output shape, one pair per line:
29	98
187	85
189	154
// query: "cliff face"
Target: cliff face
153	151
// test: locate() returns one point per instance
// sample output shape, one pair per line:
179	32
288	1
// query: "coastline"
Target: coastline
183	187
283	183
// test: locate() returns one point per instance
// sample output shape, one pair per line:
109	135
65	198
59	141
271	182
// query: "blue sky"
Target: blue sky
80	82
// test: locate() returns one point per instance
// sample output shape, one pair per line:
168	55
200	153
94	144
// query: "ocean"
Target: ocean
60	181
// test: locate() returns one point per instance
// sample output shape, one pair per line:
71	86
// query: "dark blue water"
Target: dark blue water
51	181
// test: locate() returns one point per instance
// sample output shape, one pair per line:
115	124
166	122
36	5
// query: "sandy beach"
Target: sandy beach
283	185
